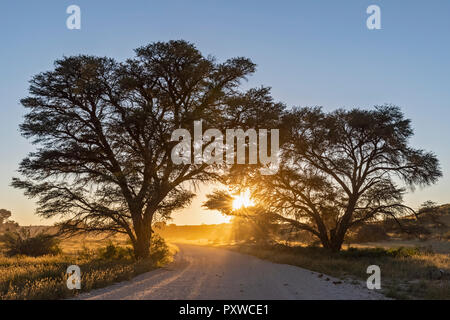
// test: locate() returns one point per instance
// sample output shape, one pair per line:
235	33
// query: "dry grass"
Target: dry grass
27	278
405	273
45	278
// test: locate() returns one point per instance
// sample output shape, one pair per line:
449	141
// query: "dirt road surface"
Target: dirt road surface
199	272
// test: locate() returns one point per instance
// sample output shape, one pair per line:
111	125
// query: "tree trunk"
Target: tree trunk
324	240
336	245
143	239
142	247
337	235
142	225
337	238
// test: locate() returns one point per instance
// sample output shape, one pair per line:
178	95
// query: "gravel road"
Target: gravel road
199	272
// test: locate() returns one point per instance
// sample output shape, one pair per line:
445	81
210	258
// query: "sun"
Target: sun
242	200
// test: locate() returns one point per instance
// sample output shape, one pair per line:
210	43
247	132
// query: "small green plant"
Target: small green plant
22	243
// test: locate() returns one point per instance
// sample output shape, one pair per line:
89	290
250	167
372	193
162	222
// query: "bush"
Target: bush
364	253
400	252
159	251
113	252
21	243
404	252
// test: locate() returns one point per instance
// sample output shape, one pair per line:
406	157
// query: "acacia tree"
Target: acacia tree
4	215
103	135
5	223
340	169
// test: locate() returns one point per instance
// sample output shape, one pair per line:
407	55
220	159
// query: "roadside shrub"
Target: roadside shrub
404	252
21	243
400	252
364	253
114	252
159	251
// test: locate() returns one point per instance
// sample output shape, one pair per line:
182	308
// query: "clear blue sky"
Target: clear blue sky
311	52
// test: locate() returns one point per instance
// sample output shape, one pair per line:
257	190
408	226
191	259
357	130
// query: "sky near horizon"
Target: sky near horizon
312	53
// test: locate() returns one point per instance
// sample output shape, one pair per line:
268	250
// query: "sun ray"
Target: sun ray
242	200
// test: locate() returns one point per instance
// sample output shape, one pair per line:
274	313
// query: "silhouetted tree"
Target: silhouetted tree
432	211
337	170
103	133
341	169
4	215
428	207
5	223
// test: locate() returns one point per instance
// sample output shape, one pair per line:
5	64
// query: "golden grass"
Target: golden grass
28	278
45	277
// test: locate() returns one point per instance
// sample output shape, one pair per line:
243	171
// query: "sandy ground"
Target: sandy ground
208	273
